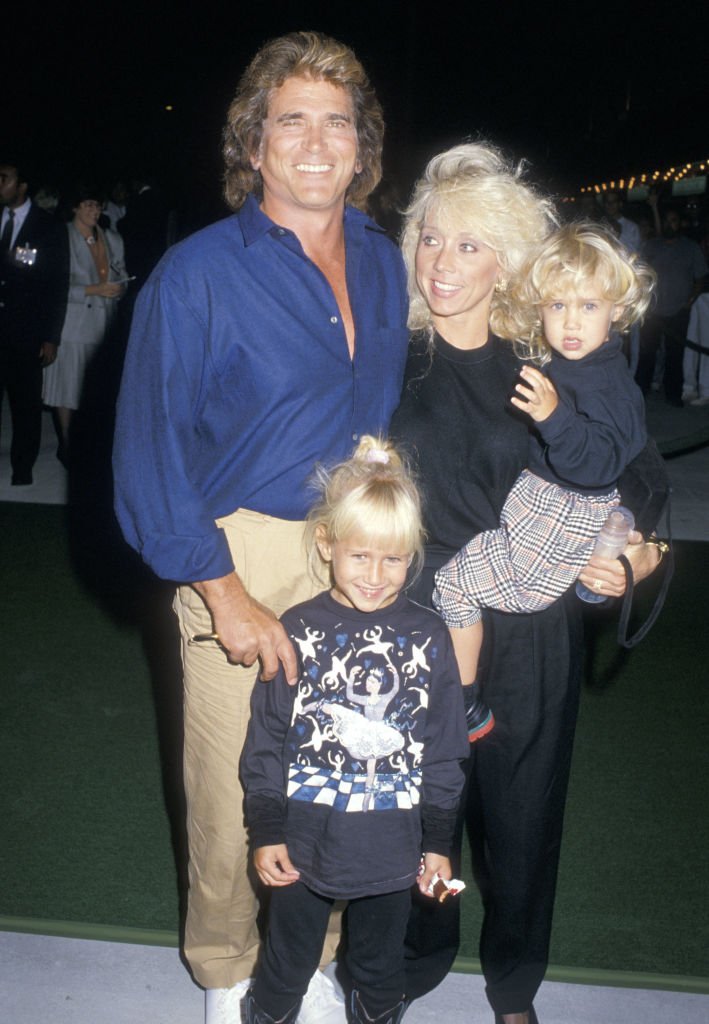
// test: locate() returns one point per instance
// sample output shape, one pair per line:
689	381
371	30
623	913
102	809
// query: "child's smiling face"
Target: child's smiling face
365	577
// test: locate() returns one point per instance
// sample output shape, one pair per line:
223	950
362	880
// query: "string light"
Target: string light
648	178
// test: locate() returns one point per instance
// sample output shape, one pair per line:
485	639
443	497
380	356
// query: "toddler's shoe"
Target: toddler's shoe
478	715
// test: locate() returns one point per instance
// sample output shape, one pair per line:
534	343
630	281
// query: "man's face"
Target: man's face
12	191
308	152
671	224
611	203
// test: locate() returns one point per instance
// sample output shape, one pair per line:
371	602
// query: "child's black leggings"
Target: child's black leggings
297	925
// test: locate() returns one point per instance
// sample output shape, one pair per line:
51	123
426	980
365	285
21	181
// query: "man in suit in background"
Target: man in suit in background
34	283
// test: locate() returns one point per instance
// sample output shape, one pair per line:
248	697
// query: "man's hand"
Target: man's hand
433	863
644	559
47	353
273	865
247	630
538	395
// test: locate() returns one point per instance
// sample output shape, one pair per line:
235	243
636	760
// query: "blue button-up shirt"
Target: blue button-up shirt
238	380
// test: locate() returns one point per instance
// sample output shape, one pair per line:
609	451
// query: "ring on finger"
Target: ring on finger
598	584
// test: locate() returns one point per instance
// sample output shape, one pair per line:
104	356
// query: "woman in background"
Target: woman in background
97	277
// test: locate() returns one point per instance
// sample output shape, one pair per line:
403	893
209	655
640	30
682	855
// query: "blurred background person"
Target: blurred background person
629	234
32	307
681	272
114	209
97	280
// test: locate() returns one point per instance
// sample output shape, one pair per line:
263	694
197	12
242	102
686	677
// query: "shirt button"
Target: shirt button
355	437
281	231
333	319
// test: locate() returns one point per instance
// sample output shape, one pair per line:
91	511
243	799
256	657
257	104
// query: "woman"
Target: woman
471	224
97	277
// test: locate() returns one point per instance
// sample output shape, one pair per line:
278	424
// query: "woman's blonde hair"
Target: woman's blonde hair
371	494
474	188
571	259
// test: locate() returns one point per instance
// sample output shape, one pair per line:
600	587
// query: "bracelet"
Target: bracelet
662	546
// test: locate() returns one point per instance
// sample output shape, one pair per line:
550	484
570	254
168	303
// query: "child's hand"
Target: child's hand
273	865
433	863
539	392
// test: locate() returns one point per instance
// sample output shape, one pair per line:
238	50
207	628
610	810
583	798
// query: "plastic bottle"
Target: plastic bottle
610	543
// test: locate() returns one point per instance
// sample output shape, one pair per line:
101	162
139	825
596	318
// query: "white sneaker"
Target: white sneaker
696	402
223	1005
321	1003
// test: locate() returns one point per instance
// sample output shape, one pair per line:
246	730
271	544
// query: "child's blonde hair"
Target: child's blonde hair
371	494
569	260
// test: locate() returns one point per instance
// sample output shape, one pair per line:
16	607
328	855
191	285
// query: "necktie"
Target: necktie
6	237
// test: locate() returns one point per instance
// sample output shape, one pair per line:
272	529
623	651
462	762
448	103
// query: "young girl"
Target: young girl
355	772
590	420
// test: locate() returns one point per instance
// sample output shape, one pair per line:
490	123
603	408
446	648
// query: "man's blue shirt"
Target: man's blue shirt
238	380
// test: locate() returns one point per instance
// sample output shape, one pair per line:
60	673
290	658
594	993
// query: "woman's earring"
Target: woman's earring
500	286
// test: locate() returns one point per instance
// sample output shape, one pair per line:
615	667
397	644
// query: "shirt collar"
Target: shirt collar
255	223
20	212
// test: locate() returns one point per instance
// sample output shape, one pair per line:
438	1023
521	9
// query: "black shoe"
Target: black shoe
358	1014
21	479
533	1019
251	1012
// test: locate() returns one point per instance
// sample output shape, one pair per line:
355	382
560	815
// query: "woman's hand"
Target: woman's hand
107	290
609	573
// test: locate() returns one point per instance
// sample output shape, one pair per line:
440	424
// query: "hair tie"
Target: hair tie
377	455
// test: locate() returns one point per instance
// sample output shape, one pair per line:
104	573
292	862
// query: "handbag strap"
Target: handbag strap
669	567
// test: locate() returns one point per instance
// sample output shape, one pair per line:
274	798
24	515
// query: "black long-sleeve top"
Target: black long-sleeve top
597	428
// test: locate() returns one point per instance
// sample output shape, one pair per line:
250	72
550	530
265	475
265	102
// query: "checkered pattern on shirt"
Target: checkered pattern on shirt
345	791
545	538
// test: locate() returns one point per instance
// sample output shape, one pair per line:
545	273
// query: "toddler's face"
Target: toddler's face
577	322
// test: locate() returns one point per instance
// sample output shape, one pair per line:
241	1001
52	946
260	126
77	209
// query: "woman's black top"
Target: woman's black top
467	442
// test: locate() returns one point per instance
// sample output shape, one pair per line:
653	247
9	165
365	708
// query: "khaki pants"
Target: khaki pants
221	938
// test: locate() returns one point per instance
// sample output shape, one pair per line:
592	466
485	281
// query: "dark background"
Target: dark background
586	93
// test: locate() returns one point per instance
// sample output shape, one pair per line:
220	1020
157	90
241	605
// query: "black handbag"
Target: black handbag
645	489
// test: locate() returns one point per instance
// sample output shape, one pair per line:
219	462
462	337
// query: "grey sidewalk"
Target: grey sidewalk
74	981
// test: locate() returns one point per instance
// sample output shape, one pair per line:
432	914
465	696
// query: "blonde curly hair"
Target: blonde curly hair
474	188
570	259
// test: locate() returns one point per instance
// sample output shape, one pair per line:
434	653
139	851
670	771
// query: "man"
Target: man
681	270
262	345
629	234
626	230
143	227
34	284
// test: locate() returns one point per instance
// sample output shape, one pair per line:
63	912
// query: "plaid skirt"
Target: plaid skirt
545	538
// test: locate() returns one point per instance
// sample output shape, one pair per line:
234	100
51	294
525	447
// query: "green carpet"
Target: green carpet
89	733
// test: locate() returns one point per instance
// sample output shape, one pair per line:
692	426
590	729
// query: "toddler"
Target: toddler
589	414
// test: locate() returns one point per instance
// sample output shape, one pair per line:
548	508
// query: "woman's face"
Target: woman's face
87	213
456	274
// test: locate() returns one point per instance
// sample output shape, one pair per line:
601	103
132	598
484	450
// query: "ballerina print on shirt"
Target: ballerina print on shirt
356	730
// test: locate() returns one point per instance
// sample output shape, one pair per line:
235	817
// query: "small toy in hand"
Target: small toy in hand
441	888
